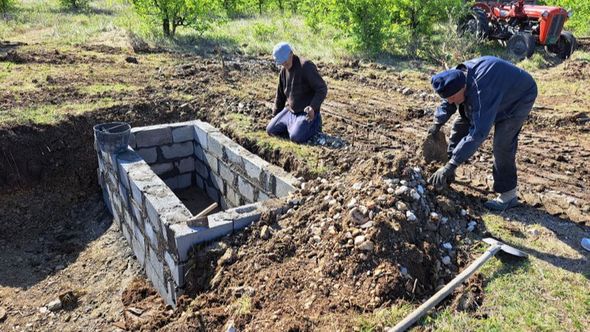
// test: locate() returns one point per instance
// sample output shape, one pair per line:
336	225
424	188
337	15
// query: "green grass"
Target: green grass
50	114
242	125
547	292
101	88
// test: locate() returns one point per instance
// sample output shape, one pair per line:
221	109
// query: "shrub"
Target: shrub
74	4
6	5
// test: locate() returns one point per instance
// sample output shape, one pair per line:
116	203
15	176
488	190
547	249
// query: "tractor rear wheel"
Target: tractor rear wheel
475	23
565	46
521	45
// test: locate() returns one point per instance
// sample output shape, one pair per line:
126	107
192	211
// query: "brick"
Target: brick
227	174
245	189
217	143
183	134
212	163
162	168
254	166
184	180
185	165
177	150
152	136
176	269
150	155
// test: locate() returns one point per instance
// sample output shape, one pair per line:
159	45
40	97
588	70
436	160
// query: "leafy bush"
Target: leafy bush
171	14
74	4
6	5
264	32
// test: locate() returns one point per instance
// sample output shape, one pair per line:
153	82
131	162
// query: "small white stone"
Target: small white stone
434	216
447	246
359	239
54	305
401	190
410	216
463	212
420	189
390	190
403	182
414	194
401	206
351	203
357	186
446	260
366	246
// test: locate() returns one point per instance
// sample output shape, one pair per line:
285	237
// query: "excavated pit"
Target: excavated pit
156	188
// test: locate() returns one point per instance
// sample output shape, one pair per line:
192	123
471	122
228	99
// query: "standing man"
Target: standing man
300	94
488	92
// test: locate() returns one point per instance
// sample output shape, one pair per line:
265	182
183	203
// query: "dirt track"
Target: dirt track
50	197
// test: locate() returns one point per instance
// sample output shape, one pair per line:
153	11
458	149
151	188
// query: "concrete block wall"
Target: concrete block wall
137	187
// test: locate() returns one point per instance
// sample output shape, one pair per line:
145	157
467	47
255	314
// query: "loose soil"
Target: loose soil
346	246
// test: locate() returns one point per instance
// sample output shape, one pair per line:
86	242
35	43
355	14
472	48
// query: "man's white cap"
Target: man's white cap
281	52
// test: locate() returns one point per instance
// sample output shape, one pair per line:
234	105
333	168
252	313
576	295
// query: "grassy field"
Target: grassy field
548	292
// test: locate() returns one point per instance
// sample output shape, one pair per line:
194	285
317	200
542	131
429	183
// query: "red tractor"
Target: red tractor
521	25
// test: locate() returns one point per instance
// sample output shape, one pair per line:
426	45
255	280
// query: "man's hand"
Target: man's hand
310	113
434	129
443	177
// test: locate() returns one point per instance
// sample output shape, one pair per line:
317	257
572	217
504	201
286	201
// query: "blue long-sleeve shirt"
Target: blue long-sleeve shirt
494	88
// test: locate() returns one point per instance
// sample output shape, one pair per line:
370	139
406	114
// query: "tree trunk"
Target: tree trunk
166	26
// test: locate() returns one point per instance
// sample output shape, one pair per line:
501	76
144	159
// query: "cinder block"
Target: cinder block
184	180
185	165
132	143
262	196
156	281
138	246
245	189
177	150
212	192
162	168
124	194
174	293
172	182
136	209
199	152
218	183
160	199
284	186
186	237
151	234
150	155
234	153
211	161
217	142
233	198
176	269
254	166
152	136
202	129
246	214
199	181
125	231
227	174
201	169
154	261
183	134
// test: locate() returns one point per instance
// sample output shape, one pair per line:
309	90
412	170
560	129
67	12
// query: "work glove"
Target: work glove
434	129
443	176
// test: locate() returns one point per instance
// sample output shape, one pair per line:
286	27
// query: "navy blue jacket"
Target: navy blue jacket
494	88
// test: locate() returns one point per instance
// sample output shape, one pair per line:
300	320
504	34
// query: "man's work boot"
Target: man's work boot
497	205
503	202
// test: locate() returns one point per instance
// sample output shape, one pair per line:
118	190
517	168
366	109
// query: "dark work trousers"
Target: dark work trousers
505	143
295	126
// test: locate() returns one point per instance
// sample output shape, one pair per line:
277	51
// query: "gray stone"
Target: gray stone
245	189
211	161
54	305
152	136
185	165
150	155
183	134
177	150
162	168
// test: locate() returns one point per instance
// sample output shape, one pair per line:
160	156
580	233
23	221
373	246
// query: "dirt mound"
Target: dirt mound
349	245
